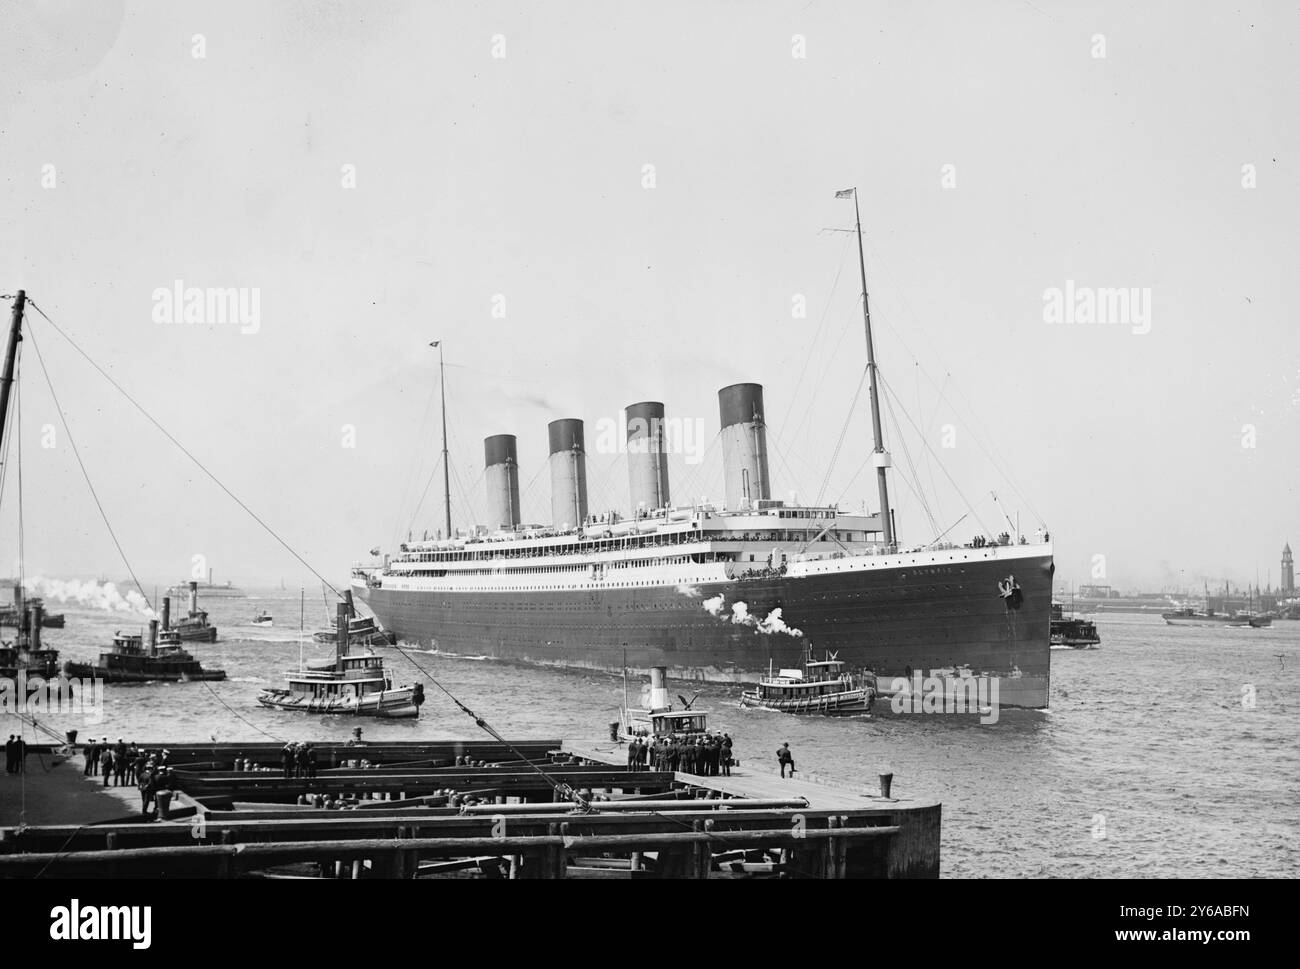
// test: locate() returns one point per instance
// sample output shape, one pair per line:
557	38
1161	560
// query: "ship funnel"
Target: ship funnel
658	688
167	613
647	463
744	444
194	599
568	463
502	474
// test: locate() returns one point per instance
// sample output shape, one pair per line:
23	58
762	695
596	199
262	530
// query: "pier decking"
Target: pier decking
406	810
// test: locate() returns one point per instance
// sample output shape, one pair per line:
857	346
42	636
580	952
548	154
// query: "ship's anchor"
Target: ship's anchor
1009	589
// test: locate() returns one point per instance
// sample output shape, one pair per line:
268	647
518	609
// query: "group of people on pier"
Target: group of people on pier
298	758
120	764
15	755
126	765
708	756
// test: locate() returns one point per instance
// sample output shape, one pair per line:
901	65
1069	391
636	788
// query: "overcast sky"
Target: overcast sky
502	203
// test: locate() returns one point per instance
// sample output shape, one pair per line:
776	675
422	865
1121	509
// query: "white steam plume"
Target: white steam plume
92	595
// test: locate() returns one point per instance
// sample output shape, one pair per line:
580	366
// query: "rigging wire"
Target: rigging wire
945	471
184	450
76	452
907	454
848	419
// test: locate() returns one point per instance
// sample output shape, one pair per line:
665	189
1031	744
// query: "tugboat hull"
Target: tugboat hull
850	703
398	704
115	675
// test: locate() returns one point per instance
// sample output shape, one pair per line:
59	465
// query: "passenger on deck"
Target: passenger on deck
11	754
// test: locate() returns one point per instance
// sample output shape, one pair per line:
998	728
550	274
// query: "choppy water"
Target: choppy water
1147	734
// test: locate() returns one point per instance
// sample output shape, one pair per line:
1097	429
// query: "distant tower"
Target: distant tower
1288	572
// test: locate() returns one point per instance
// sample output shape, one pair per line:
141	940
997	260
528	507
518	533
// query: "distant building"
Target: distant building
1288	571
1094	592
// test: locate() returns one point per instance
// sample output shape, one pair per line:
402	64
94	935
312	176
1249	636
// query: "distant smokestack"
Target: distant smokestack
167	613
744	444
568	463
502	474
194	599
647	463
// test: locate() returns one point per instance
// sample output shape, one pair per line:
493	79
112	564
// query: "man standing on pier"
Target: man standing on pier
784	757
91	753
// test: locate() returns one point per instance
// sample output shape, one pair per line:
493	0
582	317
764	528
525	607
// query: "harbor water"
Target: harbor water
1169	751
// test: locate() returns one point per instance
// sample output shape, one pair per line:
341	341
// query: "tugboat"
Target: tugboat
821	687
193	628
1072	632
362	630
132	660
16	615
25	651
656	718
356	686
263	618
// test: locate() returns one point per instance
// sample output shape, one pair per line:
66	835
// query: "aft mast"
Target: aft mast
446	471
881	456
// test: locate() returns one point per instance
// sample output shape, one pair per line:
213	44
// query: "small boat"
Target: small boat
1241	619
362	631
348	685
821	687
133	660
191	628
656	718
1071	632
263	618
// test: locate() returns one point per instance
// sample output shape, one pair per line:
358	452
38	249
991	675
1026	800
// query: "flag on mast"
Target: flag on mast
435	343
847	193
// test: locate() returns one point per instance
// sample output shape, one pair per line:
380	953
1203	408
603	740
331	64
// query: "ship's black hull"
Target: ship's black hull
935	617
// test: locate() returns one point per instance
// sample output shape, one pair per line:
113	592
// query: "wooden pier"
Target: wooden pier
410	810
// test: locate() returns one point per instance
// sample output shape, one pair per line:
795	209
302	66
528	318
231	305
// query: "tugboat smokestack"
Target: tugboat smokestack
341	637
502	472
568	462
167	613
34	635
153	637
194	599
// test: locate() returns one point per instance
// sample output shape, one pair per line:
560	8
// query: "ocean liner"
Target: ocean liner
717	591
